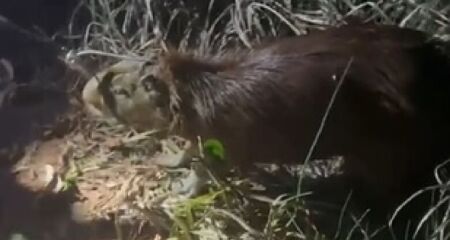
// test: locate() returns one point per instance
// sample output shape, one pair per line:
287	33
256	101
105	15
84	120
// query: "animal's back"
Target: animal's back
390	118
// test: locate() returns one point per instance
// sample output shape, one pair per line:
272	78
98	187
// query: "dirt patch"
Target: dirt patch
62	188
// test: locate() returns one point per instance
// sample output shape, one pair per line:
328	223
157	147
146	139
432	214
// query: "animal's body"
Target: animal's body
390	118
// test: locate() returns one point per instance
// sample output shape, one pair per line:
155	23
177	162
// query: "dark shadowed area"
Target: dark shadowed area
35	107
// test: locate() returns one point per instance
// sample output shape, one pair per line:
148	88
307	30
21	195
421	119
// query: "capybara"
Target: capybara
390	117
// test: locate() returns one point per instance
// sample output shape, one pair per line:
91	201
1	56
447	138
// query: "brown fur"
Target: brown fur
390	119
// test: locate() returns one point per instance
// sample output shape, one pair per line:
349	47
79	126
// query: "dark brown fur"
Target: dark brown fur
390	119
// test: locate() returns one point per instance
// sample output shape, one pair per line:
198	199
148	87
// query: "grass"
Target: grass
139	29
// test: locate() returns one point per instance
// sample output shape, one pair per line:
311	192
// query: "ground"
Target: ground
59	178
64	175
72	177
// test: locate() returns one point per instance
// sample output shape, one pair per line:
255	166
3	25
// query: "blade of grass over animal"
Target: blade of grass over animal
322	124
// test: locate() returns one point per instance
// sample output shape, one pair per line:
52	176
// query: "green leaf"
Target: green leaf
214	148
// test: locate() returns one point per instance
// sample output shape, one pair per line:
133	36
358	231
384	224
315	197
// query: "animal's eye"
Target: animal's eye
148	83
120	91
147	64
144	67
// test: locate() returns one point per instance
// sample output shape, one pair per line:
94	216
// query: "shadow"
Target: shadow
37	94
28	213
47	17
39	100
38	109
339	211
46	216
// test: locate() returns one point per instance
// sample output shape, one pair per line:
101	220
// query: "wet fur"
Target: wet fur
390	119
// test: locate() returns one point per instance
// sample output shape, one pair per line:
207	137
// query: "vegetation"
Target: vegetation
230	209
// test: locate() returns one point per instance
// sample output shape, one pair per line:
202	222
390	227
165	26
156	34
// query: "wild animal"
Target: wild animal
390	118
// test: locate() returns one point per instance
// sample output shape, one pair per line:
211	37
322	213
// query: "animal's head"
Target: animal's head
129	92
149	95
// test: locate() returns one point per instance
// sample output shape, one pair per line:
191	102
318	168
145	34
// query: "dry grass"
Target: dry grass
113	172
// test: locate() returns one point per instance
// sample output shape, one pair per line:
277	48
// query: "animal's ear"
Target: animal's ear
108	98
105	83
185	67
146	65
